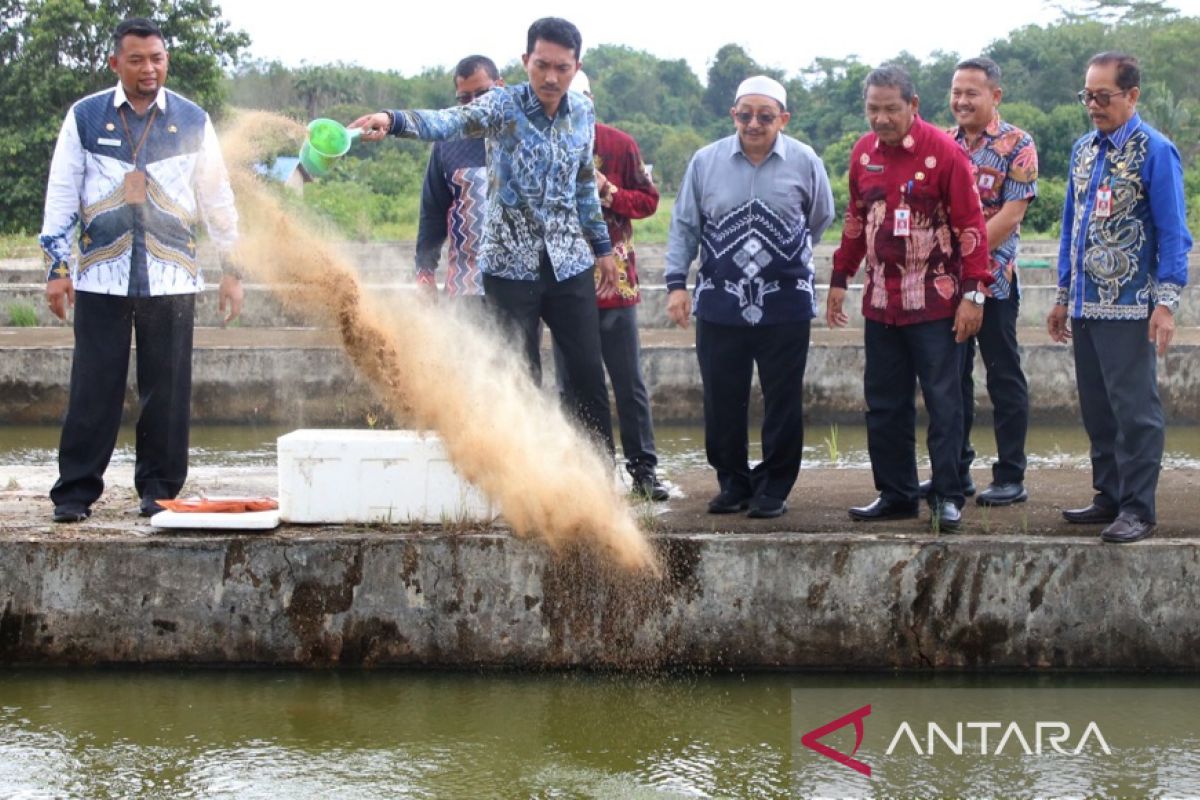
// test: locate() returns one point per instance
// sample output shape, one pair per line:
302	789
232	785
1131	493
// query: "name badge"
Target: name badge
987	181
109	142
1104	202
135	187
901	222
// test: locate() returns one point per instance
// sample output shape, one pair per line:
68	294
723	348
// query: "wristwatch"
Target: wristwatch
977	297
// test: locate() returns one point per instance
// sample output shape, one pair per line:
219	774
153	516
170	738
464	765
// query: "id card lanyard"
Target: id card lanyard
902	216
135	180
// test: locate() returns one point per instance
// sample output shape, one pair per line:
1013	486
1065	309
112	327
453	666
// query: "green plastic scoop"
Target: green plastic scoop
328	140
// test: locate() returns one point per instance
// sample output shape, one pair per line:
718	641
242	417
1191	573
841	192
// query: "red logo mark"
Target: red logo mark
812	739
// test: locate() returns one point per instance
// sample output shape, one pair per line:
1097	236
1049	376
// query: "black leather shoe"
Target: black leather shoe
71	513
883	510
1002	494
149	507
767	508
728	503
1127	528
945	517
925	487
1089	515
647	486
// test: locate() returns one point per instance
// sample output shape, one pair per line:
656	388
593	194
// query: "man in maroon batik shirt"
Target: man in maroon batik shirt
914	215
626	193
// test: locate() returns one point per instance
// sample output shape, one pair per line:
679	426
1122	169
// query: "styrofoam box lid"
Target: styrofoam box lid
355	435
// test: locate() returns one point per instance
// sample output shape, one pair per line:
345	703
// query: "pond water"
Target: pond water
679	446
245	735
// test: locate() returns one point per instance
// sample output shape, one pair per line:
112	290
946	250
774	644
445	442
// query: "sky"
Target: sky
411	36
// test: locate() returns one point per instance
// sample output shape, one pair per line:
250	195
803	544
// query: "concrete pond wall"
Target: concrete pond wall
320	597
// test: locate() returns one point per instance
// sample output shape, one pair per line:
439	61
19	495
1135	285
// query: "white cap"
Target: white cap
581	84
761	84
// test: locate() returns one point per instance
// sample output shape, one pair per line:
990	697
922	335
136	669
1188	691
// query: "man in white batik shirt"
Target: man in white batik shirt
135	169
754	204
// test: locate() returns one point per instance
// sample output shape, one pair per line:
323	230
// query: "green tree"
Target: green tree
52	52
677	148
318	87
730	67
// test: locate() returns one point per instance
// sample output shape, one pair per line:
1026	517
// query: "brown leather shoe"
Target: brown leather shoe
1127	528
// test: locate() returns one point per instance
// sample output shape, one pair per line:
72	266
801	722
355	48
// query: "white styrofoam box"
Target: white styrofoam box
336	476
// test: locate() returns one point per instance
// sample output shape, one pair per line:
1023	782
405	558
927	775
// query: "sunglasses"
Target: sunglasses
1102	99
465	97
765	118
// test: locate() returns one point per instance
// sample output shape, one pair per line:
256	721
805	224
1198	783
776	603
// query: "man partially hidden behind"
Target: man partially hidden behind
544	234
915	217
755	204
135	167
454	196
1122	260
626	194
1005	163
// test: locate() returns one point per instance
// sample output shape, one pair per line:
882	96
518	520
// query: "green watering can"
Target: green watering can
328	140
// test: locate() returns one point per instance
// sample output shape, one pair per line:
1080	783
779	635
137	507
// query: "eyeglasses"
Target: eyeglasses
765	118
1102	98
465	97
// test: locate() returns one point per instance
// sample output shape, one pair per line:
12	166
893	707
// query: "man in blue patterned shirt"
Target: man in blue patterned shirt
544	233
1122	259
1005	166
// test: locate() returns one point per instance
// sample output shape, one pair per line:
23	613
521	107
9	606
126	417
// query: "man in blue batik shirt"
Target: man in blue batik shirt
1122	260
544	232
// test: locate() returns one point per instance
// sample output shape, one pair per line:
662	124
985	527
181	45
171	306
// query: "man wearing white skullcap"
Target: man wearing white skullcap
754	204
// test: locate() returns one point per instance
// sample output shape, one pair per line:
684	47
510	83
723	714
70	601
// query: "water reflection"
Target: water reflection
386	735
680	447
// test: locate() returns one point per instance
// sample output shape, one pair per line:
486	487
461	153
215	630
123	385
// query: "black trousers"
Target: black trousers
163	329
898	356
569	310
1006	387
727	355
1116	373
622	351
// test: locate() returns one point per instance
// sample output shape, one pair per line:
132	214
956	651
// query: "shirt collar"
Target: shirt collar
991	131
119	98
777	149
1121	135
531	104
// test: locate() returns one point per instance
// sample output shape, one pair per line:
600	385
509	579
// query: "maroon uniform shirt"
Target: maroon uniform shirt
618	157
919	277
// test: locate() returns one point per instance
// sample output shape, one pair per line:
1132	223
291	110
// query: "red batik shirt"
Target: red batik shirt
631	196
920	277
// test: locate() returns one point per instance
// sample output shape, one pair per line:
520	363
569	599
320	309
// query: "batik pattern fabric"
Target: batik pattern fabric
919	277
1120	265
1005	165
541	178
617	156
453	201
142	250
755	227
